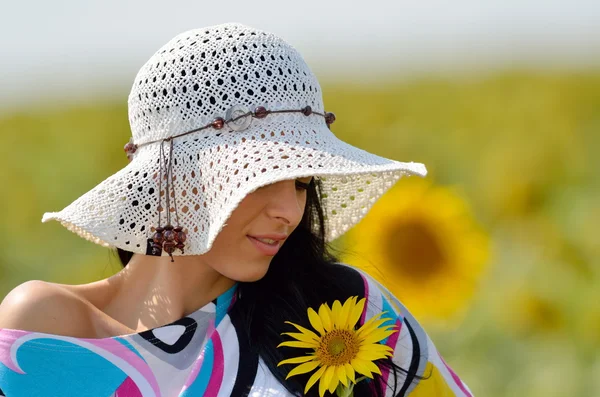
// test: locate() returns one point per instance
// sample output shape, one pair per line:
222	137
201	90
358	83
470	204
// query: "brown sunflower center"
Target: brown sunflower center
338	347
413	247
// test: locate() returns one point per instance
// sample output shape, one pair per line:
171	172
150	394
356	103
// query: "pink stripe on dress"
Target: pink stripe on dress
216	378
364	313
9	337
198	364
391	342
121	351
457	380
195	370
233	300
128	389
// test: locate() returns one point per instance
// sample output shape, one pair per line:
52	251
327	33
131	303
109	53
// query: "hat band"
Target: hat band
237	118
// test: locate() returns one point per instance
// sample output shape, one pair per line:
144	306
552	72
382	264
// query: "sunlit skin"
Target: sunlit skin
181	287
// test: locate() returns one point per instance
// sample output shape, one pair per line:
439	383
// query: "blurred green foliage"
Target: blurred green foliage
521	147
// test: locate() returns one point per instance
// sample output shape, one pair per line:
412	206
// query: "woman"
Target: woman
221	219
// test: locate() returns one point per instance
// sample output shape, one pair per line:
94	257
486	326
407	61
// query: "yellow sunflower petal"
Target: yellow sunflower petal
341	374
303	368
375	347
334	381
329	373
315	321
376	336
372	367
367	365
372	319
356	312
370	355
304	330
348	305
388	330
295	343
366	331
296	360
325	380
350	372
361	367
391	327
325	315
315	377
302	337
376	317
336	310
386	314
370	326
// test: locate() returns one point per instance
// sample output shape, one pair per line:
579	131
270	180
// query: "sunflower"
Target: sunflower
422	243
339	351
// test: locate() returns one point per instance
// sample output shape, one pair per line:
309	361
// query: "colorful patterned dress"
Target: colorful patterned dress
202	354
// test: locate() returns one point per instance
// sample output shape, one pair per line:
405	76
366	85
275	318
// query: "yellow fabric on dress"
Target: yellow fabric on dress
434	385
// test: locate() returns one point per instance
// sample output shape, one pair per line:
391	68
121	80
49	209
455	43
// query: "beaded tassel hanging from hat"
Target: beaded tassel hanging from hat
167	238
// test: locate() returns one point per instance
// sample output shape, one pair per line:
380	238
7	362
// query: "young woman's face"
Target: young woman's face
271	212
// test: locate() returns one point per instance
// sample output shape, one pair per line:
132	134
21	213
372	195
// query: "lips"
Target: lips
266	245
266	240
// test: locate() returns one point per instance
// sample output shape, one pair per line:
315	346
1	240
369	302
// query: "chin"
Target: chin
253	276
251	272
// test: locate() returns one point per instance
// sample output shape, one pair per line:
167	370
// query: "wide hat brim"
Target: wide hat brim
214	172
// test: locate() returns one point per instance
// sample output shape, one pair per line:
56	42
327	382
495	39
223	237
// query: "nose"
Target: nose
286	202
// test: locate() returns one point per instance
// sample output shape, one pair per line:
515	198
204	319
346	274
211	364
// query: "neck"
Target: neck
153	291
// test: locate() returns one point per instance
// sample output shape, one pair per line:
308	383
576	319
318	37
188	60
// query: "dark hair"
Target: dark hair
303	274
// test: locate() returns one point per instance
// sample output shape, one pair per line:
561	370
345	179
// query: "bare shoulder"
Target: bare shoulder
40	306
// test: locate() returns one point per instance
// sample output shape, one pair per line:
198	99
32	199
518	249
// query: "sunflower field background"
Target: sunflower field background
496	252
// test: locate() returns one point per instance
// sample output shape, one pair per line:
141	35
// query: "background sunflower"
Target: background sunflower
422	242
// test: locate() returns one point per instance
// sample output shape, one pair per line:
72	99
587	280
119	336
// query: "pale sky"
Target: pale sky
80	47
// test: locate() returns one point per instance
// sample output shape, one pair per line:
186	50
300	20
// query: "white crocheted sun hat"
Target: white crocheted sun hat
232	101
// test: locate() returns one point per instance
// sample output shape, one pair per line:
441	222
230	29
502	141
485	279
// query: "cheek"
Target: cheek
238	261
303	202
302	205
227	242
